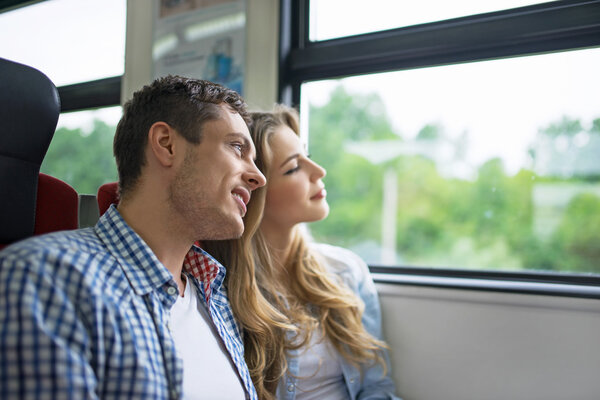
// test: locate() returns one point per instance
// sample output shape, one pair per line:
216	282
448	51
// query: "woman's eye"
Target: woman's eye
291	171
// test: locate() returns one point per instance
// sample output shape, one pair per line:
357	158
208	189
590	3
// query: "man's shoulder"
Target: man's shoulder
76	258
77	247
78	240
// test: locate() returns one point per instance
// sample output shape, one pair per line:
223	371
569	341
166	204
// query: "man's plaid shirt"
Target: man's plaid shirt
83	314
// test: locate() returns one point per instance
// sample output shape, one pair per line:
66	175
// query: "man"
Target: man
87	313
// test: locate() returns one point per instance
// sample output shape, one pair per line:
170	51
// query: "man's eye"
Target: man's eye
238	147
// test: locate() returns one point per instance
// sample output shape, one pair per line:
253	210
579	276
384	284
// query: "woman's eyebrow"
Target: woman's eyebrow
296	155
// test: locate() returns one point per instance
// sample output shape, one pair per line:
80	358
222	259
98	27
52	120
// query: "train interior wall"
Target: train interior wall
464	344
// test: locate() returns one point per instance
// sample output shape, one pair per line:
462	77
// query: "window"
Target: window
71	41
81	150
480	165
463	144
330	19
80	46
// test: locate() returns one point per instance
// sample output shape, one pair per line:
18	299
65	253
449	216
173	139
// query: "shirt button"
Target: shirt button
290	388
171	290
351	380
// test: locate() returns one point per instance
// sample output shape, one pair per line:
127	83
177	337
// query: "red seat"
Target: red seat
55	198
107	194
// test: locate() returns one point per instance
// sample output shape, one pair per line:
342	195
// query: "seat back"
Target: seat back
107	194
29	110
56	207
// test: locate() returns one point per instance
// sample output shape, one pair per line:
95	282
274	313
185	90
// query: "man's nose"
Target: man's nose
255	178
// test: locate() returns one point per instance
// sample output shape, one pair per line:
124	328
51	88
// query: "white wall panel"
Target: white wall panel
453	344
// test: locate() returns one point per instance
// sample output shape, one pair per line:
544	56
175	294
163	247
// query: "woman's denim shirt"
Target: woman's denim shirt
355	274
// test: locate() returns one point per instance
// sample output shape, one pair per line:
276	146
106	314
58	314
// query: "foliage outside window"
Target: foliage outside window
81	150
497	196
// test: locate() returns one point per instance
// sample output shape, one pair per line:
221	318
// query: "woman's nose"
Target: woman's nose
319	172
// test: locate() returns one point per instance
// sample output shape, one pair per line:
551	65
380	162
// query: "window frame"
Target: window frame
523	31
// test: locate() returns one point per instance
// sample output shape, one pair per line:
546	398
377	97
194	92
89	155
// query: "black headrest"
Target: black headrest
29	109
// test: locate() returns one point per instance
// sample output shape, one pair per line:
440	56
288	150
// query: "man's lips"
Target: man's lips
242	197
319	195
240	204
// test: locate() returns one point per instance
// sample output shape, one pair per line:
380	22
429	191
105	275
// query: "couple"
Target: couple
134	308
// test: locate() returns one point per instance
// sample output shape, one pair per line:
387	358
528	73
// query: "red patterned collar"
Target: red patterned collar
202	267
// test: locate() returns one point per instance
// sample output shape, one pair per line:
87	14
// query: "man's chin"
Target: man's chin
234	231
224	228
238	229
236	235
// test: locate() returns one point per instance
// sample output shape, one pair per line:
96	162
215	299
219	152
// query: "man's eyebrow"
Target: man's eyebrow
241	136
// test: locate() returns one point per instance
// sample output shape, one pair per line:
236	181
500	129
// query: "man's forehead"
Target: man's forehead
225	121
226	109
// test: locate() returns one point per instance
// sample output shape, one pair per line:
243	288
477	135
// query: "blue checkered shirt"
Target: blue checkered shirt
84	314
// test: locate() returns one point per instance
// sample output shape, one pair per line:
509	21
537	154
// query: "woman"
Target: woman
309	313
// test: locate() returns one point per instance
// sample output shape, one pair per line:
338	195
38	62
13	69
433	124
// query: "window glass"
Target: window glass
489	164
331	19
81	150
69	40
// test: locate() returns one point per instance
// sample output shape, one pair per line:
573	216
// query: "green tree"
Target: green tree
443	221
430	132
353	184
83	160
501	205
578	234
566	126
422	218
595	126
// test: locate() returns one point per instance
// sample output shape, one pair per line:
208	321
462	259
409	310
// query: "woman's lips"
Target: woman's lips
320	195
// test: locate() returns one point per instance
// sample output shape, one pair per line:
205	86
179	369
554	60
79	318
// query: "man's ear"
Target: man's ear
162	138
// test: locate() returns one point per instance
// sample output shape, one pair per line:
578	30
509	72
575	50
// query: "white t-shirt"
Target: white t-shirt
208	371
320	371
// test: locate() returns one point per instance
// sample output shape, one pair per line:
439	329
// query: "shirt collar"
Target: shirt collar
206	270
139	264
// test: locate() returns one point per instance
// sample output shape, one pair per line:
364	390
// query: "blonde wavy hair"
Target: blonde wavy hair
277	316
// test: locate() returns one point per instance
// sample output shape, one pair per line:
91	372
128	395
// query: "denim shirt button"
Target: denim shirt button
351	380
290	388
171	290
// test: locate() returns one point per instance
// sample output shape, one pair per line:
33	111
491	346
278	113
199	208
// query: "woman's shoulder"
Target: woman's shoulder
333	251
341	260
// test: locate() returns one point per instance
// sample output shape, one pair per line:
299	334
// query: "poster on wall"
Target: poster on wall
202	39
